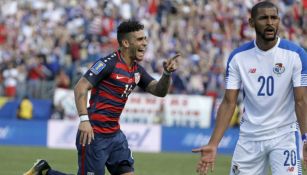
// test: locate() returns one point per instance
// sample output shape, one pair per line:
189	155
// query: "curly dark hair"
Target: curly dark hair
126	27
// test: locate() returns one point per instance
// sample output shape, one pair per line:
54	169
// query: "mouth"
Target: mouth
269	31
141	51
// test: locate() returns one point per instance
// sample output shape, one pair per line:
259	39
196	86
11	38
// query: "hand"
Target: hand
305	155
207	159
86	132
170	65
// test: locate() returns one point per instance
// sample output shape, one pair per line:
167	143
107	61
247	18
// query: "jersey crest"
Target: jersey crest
97	68
279	68
137	77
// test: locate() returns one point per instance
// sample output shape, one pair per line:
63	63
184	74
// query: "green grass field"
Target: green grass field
16	160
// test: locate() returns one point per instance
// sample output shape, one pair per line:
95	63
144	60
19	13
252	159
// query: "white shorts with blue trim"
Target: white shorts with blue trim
281	154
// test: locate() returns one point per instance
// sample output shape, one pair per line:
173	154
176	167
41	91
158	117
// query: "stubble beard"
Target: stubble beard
263	37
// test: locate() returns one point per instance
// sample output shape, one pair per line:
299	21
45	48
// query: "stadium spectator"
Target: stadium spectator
37	72
272	72
3	32
25	109
206	30
100	141
10	80
62	80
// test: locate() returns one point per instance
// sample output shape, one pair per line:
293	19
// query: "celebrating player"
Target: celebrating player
100	142
273	74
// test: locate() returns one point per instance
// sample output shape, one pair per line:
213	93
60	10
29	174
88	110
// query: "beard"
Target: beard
263	36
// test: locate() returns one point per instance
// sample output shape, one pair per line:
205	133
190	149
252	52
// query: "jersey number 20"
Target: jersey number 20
267	86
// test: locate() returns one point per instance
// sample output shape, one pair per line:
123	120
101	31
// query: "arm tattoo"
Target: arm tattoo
159	88
81	102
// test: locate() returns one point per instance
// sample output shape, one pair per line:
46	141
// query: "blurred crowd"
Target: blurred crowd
48	44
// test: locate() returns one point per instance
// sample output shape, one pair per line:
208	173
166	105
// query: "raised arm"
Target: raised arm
224	114
160	88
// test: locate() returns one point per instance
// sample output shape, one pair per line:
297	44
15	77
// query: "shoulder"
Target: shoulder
107	62
244	47
290	46
111	58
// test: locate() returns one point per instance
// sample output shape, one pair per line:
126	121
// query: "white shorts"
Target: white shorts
255	157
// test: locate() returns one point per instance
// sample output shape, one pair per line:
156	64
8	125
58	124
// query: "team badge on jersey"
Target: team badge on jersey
279	68
97	68
252	70
137	77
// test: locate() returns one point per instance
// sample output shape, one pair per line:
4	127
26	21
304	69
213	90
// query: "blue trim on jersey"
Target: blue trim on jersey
298	158
287	45
244	47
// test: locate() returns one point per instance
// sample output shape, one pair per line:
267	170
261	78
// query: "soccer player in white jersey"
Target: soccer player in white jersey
273	75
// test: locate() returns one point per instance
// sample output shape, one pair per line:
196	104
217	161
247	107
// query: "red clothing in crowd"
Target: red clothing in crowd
36	73
3	34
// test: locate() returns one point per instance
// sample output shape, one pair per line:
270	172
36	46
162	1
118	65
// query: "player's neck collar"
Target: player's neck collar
269	50
122	59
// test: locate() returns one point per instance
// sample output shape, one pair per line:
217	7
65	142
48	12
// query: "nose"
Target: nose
270	21
145	42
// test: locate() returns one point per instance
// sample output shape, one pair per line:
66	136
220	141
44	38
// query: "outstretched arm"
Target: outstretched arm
160	88
300	97
224	114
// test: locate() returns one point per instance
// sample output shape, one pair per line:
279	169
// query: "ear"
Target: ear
125	43
251	22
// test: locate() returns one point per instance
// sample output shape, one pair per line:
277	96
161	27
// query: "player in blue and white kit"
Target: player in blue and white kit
273	75
111	79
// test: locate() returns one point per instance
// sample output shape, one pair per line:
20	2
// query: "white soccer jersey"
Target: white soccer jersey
267	79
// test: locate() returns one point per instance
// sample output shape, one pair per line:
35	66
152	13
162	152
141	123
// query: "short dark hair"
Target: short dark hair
127	27
263	4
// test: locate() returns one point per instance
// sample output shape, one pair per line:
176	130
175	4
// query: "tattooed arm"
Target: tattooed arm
81	90
160	88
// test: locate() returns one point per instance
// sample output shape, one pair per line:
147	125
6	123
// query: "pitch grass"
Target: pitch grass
16	160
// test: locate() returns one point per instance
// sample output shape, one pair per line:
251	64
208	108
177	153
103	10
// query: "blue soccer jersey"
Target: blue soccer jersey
112	82
267	79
